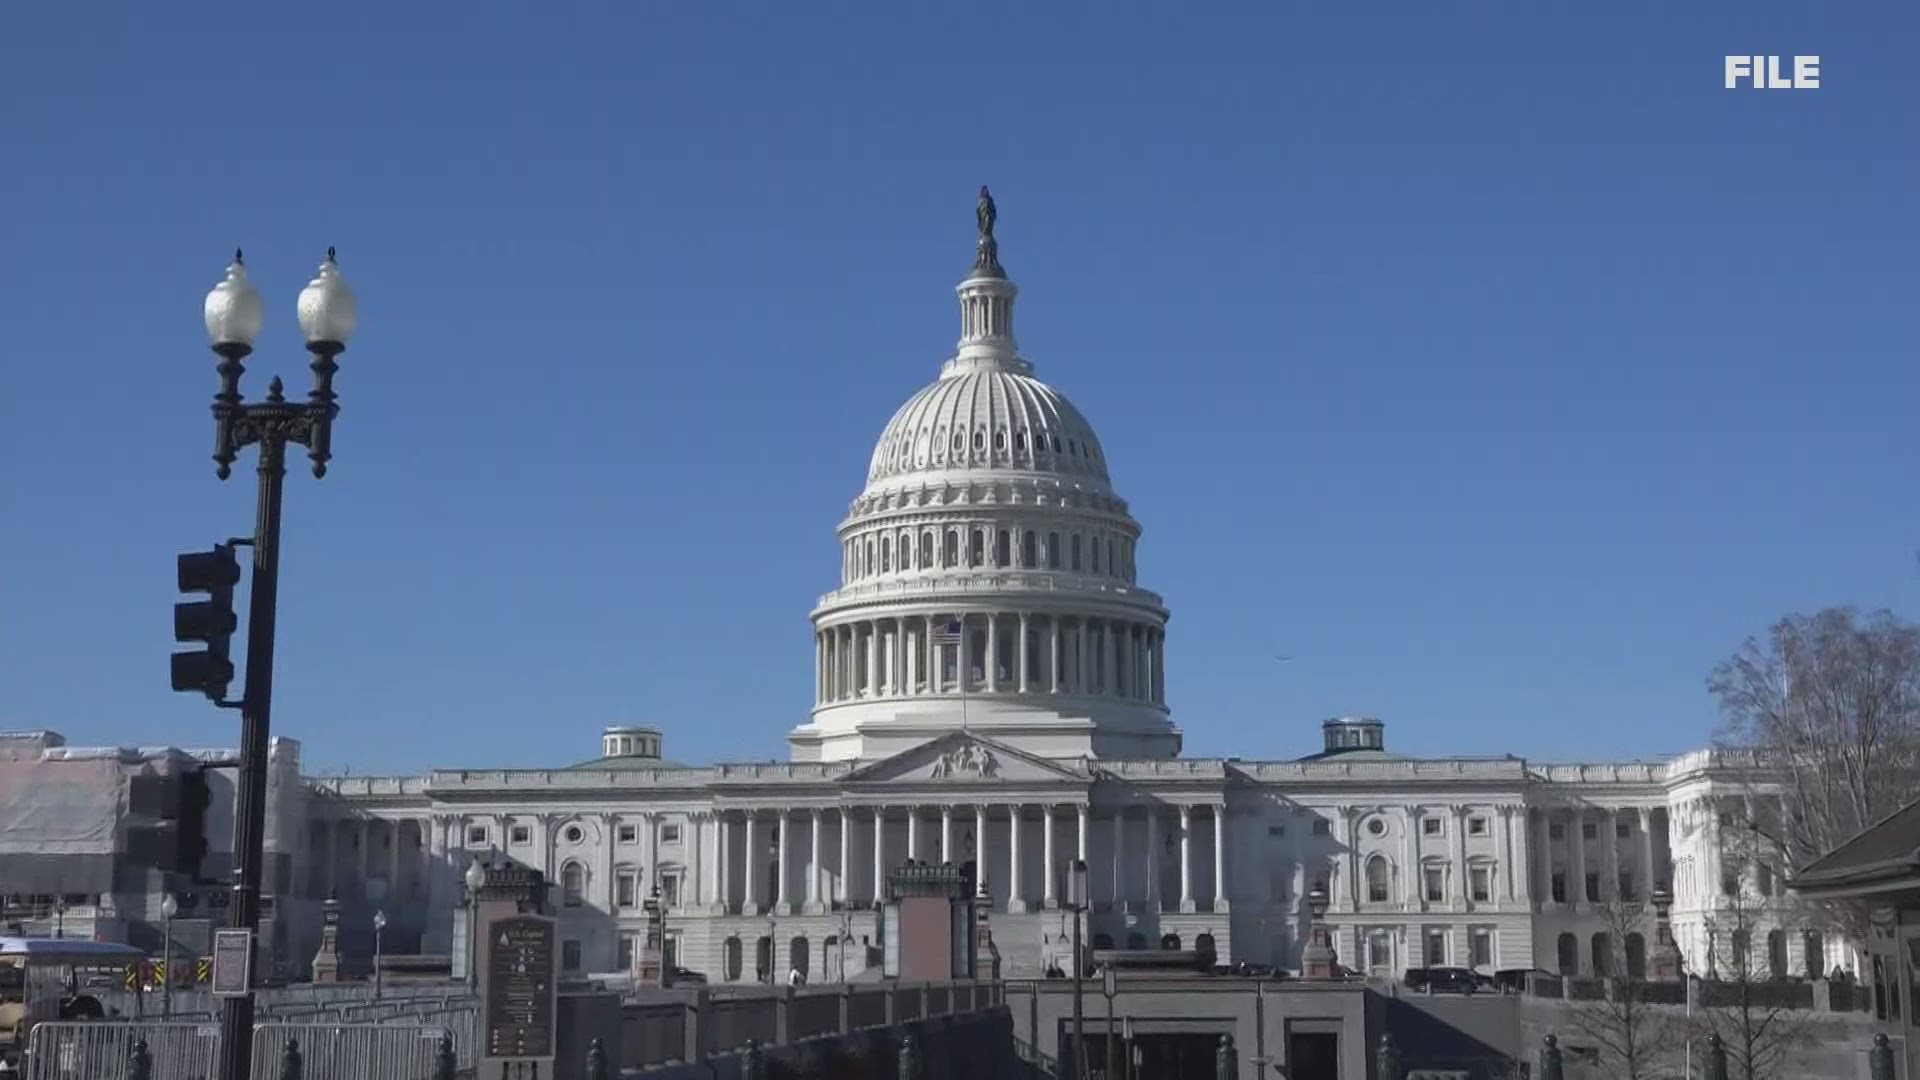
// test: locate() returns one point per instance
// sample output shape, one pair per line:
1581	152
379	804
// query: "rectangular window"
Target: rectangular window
1436	881
625	884
1322	827
476	835
670	833
628	946
521	835
570	954
670	950
1476	826
1482	948
1593	886
1276	830
1556	831
1436	948
670	890
1559	886
1622	830
1376	889
1481	879
628	834
1588	830
1430	826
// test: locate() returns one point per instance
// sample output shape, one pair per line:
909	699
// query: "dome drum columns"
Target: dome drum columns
1003	655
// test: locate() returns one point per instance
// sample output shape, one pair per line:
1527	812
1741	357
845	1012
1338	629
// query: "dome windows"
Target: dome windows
977	549
979	441
999	442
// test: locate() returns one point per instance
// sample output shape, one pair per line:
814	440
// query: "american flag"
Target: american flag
947	633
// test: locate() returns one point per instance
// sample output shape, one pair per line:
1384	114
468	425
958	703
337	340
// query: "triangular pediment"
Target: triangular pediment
963	758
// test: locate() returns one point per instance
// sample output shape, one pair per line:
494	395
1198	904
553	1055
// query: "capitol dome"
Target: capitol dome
988	570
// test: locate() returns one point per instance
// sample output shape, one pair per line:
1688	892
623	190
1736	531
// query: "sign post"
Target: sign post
520	990
232	963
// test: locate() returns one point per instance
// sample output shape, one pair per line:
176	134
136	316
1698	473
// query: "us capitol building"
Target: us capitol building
991	691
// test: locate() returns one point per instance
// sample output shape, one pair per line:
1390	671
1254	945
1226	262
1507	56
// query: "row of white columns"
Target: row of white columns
1575	865
979	547
716	891
997	653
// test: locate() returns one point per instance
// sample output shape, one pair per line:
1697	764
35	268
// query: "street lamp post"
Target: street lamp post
1077	904
772	979
59	917
657	932
476	876
168	908
327	314
379	924
1109	988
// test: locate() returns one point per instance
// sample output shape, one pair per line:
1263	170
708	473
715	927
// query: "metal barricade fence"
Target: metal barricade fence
95	1050
348	1051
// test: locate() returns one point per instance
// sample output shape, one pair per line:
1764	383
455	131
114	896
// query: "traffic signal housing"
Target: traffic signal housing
190	827
209	622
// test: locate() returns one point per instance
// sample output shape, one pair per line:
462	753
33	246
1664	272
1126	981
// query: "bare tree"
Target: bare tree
1747	1004
1633	1037
1829	705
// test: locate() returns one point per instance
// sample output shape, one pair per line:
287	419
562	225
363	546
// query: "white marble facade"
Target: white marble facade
992	688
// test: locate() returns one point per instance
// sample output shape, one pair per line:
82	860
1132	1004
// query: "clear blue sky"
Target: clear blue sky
1489	359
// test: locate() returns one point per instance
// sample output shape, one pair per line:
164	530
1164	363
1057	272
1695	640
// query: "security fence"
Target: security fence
189	1051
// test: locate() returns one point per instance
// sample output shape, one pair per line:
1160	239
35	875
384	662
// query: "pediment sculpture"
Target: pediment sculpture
967	759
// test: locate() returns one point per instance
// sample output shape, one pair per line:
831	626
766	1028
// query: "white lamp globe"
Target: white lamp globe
169	906
327	309
232	310
476	875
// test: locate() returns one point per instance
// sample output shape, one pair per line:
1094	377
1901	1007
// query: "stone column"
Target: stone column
814	869
1347	895
1082	823
879	854
1576	857
946	834
819	668
963	655
750	854
846	854
991	667
1050	899
1410	892
1220	857
1054	658
1119	878
1542	826
980	874
1186	859
913	833
1460	893
1020	659
1503	850
693	892
1153	859
1646	852
1016	899
909	657
1081	683
872	682
1609	855
1521	833
723	873
782	868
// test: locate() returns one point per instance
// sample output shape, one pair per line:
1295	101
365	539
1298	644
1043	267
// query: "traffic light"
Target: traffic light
209	621
190	828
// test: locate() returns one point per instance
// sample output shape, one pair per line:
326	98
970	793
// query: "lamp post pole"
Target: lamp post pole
1077	904
476	876
772	979
327	315
168	906
379	924
1109	987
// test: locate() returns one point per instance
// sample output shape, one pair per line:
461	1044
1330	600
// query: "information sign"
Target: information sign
522	983
232	963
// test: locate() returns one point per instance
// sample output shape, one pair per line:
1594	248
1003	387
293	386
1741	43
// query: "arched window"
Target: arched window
1567	952
1379	875
1814	955
730	959
977	553
979	441
797	957
951	556
886	554
870	563
999	442
763	959
1076	551
1053	551
926	550
1777	953
1020	441
1096	554
1203	945
1003	549
1602	955
1026	549
573	884
1741	953
1112	566
1170	942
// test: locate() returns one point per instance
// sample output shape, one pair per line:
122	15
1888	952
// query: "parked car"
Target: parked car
1444	980
685	977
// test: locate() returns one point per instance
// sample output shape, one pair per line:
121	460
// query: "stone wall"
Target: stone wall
969	1046
1832	1046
